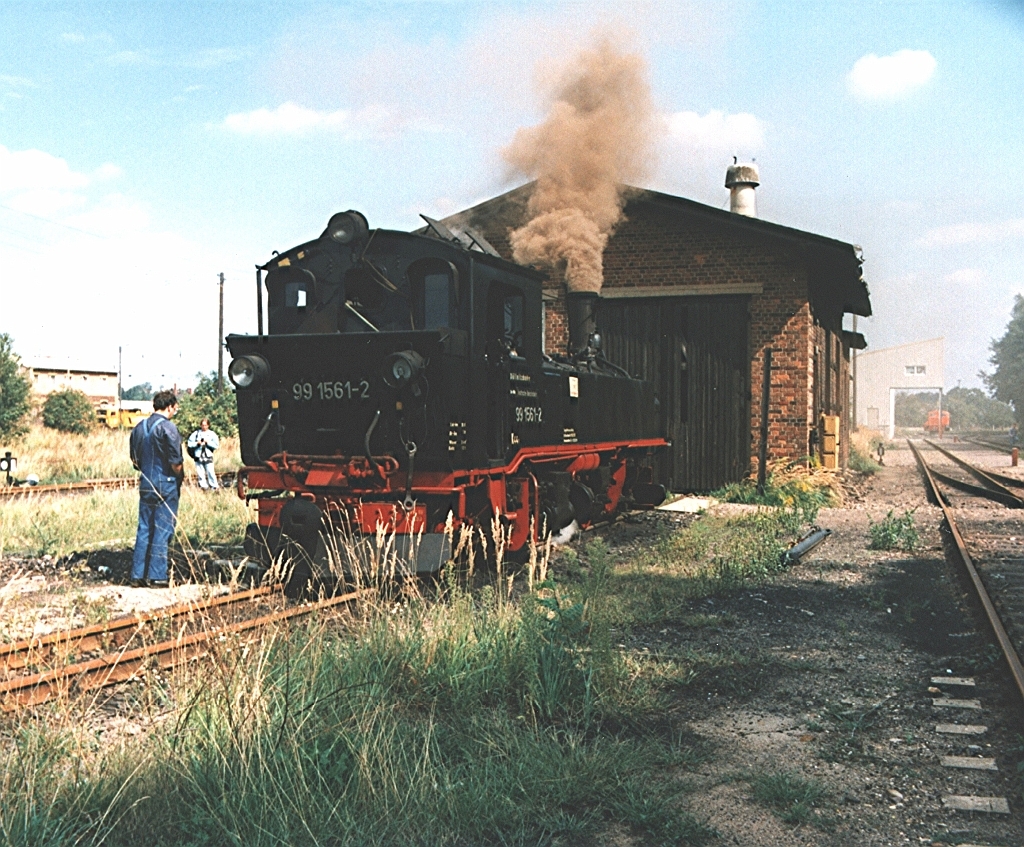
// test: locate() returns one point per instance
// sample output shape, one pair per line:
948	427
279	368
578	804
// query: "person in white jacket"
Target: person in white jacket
201	444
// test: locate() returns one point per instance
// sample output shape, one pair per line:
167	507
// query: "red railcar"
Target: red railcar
934	424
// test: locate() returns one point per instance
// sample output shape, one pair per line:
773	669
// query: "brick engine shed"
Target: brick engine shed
692	297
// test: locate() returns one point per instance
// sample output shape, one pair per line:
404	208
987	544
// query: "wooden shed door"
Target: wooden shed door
696	350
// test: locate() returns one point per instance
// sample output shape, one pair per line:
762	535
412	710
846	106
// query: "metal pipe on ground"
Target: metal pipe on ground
804	546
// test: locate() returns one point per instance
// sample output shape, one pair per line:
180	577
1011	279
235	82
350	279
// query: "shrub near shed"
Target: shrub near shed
69	411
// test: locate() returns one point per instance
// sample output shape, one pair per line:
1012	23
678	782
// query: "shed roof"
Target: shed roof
834	266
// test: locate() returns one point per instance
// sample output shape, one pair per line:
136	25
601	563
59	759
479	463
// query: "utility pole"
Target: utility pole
853	379
220	340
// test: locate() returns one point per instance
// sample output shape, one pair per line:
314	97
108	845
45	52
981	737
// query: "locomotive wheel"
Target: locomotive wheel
308	576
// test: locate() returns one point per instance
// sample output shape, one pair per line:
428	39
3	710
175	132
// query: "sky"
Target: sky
147	147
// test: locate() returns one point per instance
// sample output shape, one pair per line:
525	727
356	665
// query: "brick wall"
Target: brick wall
655	246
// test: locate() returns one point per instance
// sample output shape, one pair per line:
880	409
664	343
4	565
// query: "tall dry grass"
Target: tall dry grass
47	524
100	454
466	719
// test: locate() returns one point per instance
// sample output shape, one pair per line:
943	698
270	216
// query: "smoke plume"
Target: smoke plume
598	134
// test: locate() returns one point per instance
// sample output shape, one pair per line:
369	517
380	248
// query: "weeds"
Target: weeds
862	463
712	554
895	532
794	798
473	720
788	486
52	525
504	715
102	453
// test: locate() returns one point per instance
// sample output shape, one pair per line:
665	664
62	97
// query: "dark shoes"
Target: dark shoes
150	583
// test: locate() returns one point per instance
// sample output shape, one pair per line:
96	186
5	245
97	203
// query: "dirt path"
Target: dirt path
839	692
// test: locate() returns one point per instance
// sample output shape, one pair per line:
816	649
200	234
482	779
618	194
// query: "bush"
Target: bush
788	486
69	411
894	533
862	463
205	402
14	390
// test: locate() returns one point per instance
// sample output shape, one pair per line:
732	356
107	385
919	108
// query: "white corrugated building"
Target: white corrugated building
881	374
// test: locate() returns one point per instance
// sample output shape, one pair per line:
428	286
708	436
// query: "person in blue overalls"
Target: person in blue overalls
156	452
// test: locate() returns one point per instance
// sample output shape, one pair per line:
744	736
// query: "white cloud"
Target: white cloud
973	233
717	132
214	58
890	77
27	170
107	171
291	119
16	81
965	276
129	57
72	38
42	185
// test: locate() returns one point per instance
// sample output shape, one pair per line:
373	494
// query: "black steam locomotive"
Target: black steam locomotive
402	383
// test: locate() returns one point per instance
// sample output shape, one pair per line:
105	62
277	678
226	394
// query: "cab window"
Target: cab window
295	295
434	288
505	318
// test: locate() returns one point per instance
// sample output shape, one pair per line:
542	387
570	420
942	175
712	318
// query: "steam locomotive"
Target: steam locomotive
402	385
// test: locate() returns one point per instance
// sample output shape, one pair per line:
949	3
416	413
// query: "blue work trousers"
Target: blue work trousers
158	513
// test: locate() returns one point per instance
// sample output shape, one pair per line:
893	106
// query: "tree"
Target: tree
913	409
205	402
971	408
69	410
14	390
1006	383
142	391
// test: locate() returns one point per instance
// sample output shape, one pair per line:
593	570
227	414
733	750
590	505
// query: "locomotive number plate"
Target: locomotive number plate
529	414
347	390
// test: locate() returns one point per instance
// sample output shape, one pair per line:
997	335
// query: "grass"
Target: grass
474	720
507	715
101	454
794	798
862	462
714	554
45	524
788	485
895	532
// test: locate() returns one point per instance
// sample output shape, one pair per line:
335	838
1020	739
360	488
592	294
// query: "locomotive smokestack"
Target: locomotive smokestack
741	179
582	324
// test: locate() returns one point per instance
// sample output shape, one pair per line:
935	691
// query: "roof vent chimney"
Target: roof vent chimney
741	180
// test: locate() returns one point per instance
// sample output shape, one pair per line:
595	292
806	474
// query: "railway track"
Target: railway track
85	487
38	669
998	585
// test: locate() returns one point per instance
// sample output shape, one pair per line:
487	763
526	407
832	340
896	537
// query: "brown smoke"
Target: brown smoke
597	135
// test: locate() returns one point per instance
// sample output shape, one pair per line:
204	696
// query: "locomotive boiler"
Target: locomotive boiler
401	383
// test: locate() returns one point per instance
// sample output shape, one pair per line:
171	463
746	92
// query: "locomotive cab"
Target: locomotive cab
402	385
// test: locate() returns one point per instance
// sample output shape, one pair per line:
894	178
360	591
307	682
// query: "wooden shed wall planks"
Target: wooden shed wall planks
706	406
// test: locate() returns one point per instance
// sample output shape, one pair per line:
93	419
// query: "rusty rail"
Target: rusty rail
998	630
87	486
41	649
995	483
123	665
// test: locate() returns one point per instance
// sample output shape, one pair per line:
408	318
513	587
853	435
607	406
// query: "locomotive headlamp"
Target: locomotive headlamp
248	371
402	368
346	227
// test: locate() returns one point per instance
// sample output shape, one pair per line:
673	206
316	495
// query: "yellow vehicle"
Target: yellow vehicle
130	413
